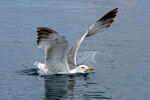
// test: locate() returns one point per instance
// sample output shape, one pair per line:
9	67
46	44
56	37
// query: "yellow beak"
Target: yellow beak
90	68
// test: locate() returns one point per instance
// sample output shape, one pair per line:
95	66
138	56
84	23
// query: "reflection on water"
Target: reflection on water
62	86
76	86
57	87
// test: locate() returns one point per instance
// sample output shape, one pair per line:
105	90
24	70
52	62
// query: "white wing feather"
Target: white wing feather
55	50
102	24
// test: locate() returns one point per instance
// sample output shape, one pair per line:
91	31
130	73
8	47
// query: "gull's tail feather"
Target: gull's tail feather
41	67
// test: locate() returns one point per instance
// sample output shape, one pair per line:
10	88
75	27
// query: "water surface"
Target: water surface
121	67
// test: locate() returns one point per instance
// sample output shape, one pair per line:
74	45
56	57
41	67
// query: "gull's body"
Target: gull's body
57	58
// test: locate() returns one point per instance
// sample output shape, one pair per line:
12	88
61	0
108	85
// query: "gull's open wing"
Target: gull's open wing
102	24
55	50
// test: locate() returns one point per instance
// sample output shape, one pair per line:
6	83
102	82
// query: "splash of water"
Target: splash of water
89	57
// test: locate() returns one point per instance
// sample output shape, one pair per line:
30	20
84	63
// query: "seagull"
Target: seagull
57	58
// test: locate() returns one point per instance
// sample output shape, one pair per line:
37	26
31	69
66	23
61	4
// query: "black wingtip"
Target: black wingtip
110	14
45	29
43	33
104	22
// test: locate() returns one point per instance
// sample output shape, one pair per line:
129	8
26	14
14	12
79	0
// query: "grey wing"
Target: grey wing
100	25
56	48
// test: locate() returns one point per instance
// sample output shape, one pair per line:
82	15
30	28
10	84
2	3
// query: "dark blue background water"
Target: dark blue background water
125	77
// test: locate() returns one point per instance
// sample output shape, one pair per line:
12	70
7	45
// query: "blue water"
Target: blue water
122	68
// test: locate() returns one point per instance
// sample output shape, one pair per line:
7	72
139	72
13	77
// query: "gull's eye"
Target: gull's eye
82	67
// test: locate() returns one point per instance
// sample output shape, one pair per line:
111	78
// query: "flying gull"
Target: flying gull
57	58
